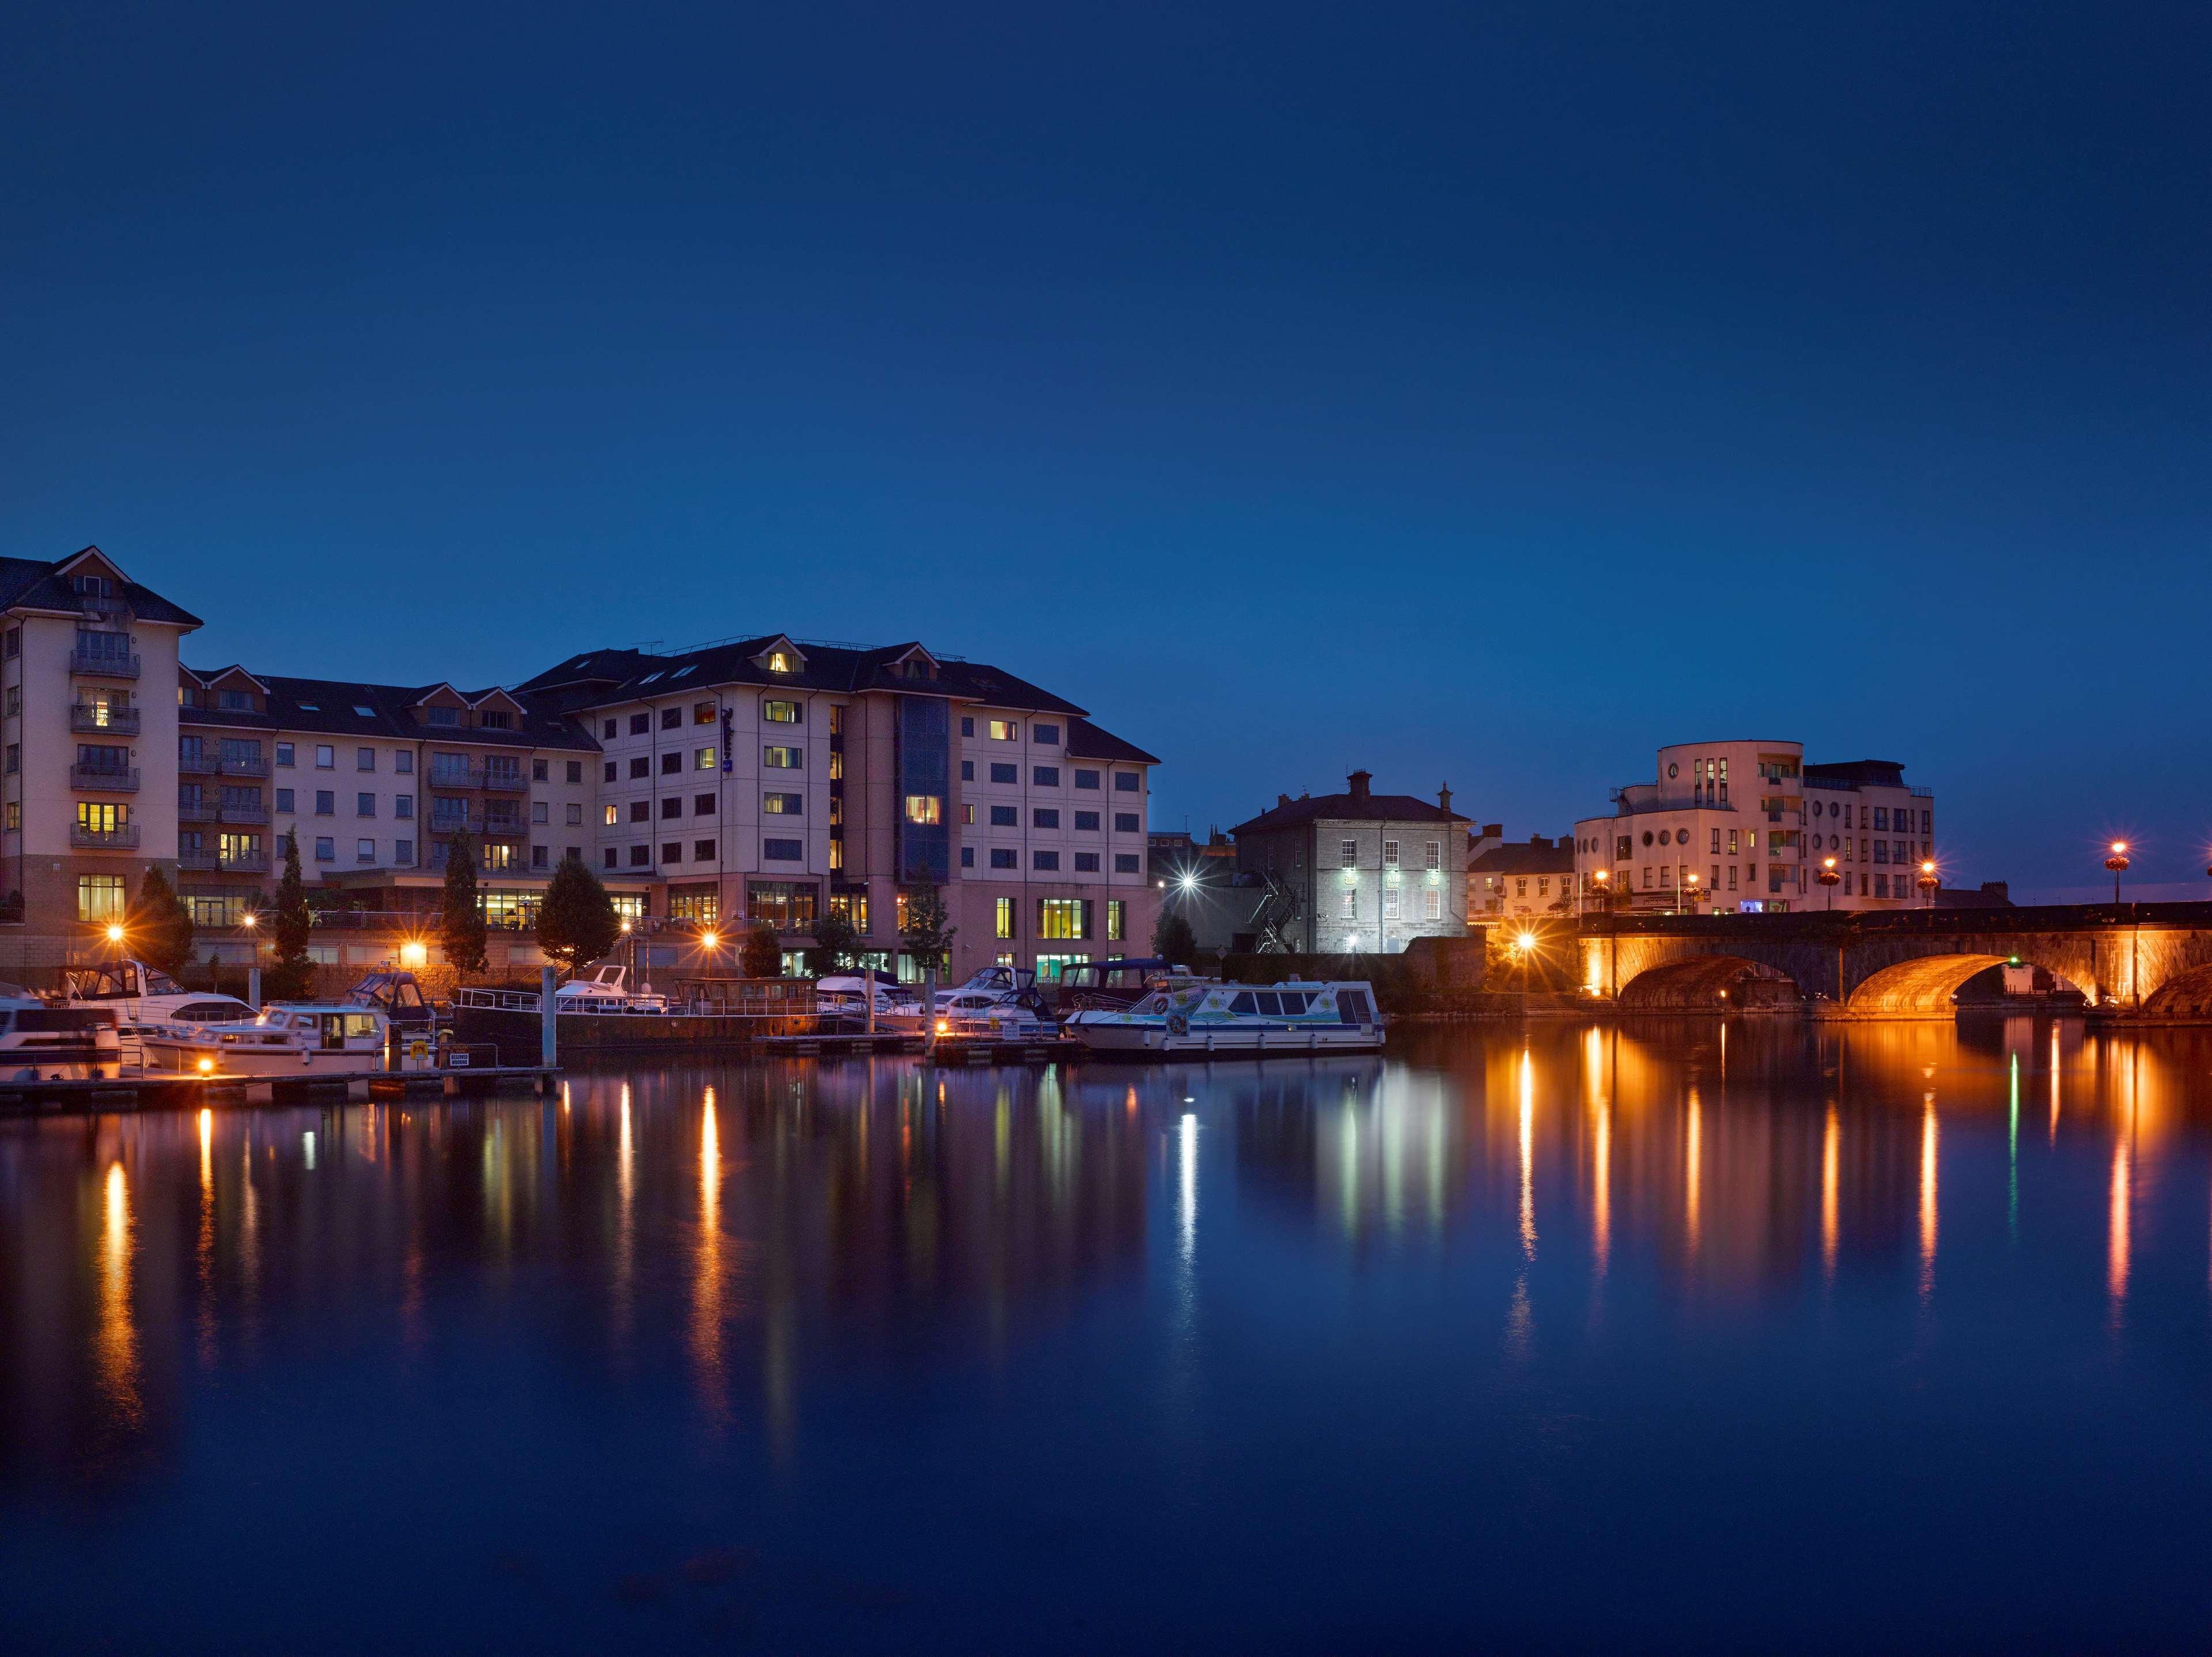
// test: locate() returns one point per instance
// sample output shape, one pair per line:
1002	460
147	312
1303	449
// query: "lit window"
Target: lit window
780	713
782	759
1349	854
611	817
1006	917
1004	730
923	808
703	759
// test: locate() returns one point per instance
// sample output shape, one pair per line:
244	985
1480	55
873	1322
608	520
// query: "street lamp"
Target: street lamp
1603	877
1829	878
1690	891
1929	882
2118	862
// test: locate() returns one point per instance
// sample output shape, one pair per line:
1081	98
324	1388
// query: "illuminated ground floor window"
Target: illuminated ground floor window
214	908
1063	917
512	911
852	907
628	905
1005	918
787	906
99	897
699	903
1048	966
1117	920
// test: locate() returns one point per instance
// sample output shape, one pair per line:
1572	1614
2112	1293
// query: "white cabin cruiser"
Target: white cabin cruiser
138	996
897	1006
288	1038
1297	1017
42	1042
607	990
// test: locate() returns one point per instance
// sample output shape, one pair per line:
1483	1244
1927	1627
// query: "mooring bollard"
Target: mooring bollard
549	1041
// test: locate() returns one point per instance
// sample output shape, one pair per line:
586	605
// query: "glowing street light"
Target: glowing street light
1829	878
1690	890
1929	881
114	932
708	940
2118	862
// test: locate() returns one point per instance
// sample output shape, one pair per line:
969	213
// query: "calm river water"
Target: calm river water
1668	1337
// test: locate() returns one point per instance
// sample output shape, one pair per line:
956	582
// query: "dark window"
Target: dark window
1045	776
326	803
1044	860
640	856
640	766
702	851
672	807
1005	817
967	725
541	770
1048	734
326	850
1086	862
1125	822
612	771
607	729
575	771
1005	773
1005	857
671	851
640	811
1045	817
1087	821
671	719
610	857
639	724
782	851
364	805
966	856
702	804
283	798
1084	779
671	763
1125	862
967	770
1125	782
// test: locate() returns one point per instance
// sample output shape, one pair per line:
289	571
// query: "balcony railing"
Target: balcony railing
242	767
123	837
508	828
193	764
195	811
453	826
91	718
499	782
236	862
103	664
456	776
242	814
102	779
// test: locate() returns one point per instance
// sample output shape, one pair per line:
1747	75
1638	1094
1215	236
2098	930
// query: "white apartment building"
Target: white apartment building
1746	827
765	779
1360	871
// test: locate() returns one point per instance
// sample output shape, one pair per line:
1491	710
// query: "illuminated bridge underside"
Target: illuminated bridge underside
2153	958
1706	983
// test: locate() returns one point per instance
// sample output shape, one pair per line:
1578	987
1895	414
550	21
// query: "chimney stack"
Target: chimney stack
1359	781
1443	799
1282	800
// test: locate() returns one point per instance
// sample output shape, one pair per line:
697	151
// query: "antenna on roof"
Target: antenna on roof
646	647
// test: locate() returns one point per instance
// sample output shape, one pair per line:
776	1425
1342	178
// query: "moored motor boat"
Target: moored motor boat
847	996
1200	1017
136	997
43	1042
288	1038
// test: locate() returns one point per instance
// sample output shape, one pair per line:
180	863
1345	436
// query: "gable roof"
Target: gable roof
335	707
1527	857
37	584
1350	808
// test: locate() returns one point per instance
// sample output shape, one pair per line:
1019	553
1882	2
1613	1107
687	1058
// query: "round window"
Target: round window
1674	770
1647	837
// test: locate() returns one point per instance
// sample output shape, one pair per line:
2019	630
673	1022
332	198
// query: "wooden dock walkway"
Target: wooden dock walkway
187	1093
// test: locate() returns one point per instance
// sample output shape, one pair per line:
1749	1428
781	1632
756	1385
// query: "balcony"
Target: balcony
192	762
453	826
456	776
195	811
499	782
92	719
122	838
236	862
102	664
506	828
241	767
247	815
102	779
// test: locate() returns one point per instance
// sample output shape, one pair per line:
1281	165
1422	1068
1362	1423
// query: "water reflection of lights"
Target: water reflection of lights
707	1278
1186	1187
117	1342
1832	1136
1927	1193
2116	1262
1527	1156
1691	1157
203	1251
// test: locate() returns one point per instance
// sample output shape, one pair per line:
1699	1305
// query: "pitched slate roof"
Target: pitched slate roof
1350	809
1537	856
1086	741
334	707
37	584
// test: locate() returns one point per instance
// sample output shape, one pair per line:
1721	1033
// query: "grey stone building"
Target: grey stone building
1357	871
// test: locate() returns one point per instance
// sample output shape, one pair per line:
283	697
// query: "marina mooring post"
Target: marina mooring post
253	987
549	1042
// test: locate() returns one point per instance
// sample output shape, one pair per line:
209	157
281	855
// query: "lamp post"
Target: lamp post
2118	862
1829	878
1927	881
1690	891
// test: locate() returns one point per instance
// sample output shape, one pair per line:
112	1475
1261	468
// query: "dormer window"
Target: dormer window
443	716
235	701
496	719
92	586
779	662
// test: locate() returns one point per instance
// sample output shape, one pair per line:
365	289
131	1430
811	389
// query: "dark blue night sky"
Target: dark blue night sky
1470	392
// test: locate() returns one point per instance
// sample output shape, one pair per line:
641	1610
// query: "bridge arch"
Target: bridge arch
1924	986
2187	995
1709	983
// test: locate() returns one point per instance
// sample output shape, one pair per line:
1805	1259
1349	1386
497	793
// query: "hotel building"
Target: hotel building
765	779
1746	825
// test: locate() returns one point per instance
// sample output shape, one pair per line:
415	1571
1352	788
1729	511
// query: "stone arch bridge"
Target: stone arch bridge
2151	958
